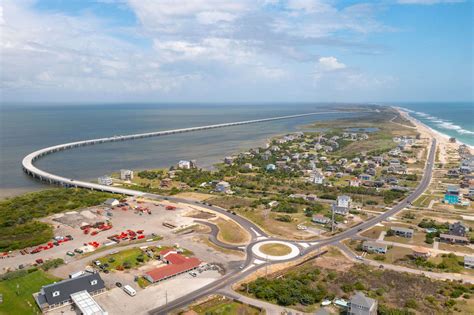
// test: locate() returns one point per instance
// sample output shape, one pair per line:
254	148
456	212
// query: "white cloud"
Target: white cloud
330	63
212	17
186	42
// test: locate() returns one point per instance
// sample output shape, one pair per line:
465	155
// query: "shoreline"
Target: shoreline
443	140
436	133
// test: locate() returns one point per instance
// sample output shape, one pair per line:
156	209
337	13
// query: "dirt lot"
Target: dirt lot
121	221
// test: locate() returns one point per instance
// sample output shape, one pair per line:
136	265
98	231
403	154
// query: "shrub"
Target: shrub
411	303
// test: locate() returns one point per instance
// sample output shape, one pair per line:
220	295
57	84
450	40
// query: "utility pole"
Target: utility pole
333	217
266	267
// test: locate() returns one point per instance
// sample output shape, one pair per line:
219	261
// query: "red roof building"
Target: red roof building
177	264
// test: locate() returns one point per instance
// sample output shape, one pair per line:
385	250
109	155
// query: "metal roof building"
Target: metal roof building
86	304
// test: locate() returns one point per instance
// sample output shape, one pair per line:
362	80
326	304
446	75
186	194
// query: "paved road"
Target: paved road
235	276
256	232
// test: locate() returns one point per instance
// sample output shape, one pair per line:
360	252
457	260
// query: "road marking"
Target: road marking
258	261
256	233
305	245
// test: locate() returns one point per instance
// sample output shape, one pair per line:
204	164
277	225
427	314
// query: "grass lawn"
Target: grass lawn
456	248
225	306
23	303
230	232
128	255
275	249
393	254
374	232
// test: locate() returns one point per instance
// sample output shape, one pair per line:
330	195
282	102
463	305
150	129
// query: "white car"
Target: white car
97	263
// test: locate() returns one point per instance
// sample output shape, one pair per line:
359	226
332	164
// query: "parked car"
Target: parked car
118	284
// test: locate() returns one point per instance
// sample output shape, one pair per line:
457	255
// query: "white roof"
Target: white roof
86	304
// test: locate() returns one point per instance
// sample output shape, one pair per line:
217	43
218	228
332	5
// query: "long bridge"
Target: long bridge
32	170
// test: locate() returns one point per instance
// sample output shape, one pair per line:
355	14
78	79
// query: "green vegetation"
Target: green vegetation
17	290
225	306
126	259
18	229
294	288
275	249
397	293
51	264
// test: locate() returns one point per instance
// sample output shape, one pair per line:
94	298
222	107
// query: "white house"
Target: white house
469	262
248	166
354	182
273	203
126	174
344	201
184	164
105	180
316	177
270	167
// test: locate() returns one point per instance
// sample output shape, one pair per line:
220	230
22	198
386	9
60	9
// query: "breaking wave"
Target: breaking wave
444	124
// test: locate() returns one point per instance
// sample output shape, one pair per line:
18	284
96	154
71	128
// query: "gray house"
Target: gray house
374	247
60	293
458	228
401	231
362	305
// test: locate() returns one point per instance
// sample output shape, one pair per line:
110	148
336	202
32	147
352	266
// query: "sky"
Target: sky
236	51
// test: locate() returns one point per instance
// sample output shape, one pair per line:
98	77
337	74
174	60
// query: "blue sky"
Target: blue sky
236	51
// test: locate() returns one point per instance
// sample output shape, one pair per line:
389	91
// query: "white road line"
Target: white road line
256	233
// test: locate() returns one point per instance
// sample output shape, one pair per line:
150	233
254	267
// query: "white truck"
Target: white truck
129	290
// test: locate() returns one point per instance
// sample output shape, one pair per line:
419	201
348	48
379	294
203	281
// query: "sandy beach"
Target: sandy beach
444	145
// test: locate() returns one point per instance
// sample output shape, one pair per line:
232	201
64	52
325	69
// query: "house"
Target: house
401	231
66	292
266	155
453	239
339	210
248	166
111	202
458	228
317	218
184	164
421	252
452	195
316	177
374	247
126	174
273	203
469	262
365	177
166	182
344	201
371	171
360	304
453	173
228	160
270	167
223	187
354	182
105	180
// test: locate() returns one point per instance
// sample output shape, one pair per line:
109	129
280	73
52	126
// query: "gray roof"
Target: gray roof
360	299
375	244
70	286
402	229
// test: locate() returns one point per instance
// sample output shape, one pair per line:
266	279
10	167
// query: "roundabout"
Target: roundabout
275	250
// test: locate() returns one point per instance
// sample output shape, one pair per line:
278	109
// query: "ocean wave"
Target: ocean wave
444	124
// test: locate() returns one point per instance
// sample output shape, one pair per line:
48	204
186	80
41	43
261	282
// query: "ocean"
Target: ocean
453	119
26	128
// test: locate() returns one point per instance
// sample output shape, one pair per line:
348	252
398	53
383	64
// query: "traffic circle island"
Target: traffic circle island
275	250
